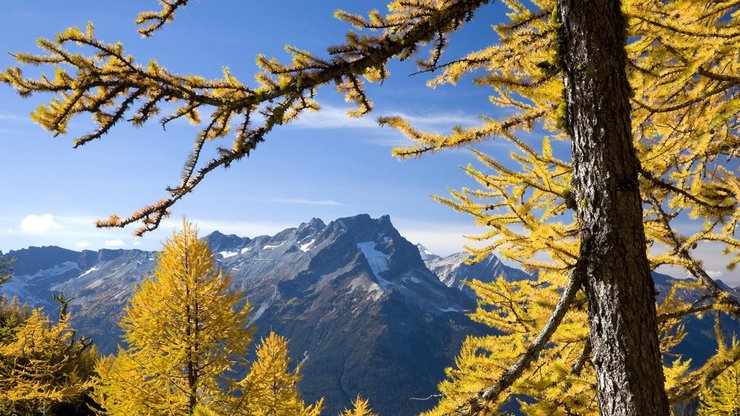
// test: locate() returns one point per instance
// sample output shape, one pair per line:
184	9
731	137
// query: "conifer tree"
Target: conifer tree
650	147
5	269
186	331
360	407
12	315
270	388
722	396
44	367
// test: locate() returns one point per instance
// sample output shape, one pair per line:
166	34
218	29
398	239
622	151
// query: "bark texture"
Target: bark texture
623	323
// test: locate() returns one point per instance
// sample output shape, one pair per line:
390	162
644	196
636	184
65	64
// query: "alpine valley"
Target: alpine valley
365	310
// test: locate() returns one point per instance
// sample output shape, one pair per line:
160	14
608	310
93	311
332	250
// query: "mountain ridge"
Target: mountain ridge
360	304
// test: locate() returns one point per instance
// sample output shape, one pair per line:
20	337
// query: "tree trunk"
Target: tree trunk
623	323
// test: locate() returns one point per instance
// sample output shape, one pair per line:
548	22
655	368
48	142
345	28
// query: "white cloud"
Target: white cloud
330	117
82	244
114	243
137	242
14	117
39	224
302	201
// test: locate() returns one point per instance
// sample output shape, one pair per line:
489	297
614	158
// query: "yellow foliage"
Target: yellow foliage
44	366
185	328
270	388
360	407
685	109
722	397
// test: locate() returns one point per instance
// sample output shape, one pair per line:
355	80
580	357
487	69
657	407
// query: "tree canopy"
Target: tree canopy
186	329
44	367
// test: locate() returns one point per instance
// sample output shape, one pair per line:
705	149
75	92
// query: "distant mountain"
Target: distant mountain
361	310
454	271
365	310
425	254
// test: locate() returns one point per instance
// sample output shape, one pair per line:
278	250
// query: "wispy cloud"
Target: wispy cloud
303	201
39	224
14	117
331	117
82	244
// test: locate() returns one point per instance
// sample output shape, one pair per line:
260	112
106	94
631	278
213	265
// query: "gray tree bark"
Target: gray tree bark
623	323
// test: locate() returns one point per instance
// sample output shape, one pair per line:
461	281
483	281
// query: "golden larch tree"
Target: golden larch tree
45	366
270	388
722	396
360	407
186	331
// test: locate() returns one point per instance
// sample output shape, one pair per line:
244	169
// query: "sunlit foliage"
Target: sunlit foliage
270	388
43	365
722	397
186	330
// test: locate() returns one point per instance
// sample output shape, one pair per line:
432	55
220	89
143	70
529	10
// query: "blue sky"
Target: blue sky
324	166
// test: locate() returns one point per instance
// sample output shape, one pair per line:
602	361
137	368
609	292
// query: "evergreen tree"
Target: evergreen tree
270	388
186	332
650	146
5	269
12	316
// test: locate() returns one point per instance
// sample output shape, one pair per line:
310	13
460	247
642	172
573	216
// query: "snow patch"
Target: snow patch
270	247
448	310
227	254
305	247
377	260
88	271
244	250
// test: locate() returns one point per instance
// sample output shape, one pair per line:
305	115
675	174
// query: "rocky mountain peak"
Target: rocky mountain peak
454	270
426	254
220	242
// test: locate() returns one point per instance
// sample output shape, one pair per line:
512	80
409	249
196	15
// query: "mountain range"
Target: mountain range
366	311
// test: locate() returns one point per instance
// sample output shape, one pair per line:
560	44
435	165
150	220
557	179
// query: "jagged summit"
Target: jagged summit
220	242
426	254
453	270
